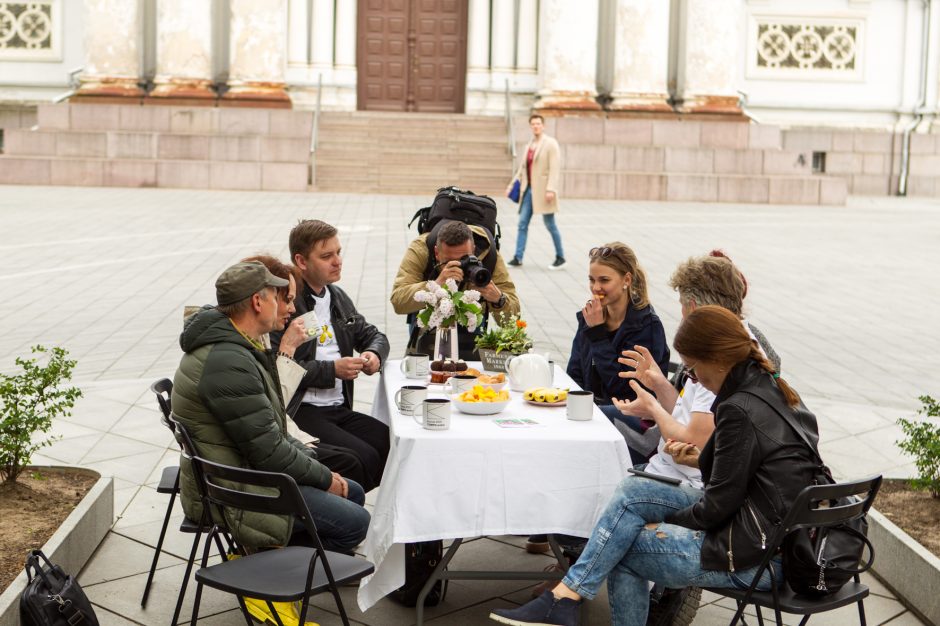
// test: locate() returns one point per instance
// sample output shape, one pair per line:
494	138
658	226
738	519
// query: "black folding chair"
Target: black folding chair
806	512
188	525
282	575
169	479
170	483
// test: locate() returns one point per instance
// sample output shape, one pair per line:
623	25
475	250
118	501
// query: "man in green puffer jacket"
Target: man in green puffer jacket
227	396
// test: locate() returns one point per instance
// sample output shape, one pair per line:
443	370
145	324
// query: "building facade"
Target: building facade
854	63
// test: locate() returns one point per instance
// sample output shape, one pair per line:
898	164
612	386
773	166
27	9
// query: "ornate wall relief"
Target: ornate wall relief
810	48
31	31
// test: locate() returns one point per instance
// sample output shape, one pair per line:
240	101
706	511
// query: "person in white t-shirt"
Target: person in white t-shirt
322	404
683	414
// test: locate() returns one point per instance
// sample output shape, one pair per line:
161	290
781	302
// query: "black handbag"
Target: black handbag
420	560
52	597
819	561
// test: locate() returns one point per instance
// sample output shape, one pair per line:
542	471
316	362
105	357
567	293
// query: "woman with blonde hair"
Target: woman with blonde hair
753	466
617	317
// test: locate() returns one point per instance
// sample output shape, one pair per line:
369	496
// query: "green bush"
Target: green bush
29	401
923	443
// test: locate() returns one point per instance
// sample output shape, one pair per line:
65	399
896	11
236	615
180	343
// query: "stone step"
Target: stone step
382	118
174	119
195	174
154	145
415	135
375	151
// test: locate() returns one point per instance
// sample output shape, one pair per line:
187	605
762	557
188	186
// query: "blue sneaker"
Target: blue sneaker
543	611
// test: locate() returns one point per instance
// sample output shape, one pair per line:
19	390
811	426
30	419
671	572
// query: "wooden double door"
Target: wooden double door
412	55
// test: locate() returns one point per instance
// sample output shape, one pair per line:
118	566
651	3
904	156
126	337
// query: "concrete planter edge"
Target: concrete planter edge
73	543
907	568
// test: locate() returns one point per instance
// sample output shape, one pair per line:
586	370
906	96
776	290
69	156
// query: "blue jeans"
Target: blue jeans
525	216
341	522
627	554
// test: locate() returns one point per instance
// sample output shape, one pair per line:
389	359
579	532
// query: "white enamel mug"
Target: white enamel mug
433	414
462	382
580	405
415	365
409	398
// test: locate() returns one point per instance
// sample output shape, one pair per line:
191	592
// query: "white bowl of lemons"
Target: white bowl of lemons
481	400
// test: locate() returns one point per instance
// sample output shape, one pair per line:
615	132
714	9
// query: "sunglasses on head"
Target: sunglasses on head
602	252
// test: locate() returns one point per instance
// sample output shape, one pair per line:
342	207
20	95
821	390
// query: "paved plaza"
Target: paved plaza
847	296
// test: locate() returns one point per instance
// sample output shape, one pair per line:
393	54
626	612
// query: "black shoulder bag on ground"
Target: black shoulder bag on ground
420	560
819	561
52	597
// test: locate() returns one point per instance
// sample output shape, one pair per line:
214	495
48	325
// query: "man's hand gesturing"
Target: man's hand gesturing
348	367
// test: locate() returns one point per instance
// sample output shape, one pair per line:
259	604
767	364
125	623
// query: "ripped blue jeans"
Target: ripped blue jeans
627	554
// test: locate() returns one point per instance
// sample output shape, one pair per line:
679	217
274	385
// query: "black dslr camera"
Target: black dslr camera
473	271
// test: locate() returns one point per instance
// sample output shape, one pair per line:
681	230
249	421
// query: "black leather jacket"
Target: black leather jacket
352	332
753	467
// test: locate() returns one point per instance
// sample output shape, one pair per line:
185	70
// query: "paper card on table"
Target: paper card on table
513	422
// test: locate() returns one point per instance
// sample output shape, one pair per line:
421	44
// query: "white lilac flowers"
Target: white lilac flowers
446	306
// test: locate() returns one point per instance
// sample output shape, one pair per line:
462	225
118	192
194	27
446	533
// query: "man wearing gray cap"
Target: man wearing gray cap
226	393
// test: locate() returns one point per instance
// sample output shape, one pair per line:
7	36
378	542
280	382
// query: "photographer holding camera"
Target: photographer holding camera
460	252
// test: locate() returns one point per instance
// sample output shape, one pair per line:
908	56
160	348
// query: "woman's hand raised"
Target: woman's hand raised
593	312
645	368
294	335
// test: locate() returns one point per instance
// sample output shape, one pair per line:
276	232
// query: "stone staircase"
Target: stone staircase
684	160
160	146
411	153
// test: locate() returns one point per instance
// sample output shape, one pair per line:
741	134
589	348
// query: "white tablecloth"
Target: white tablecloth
479	479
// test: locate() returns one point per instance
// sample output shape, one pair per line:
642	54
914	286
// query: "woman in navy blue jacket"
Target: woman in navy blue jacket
616	318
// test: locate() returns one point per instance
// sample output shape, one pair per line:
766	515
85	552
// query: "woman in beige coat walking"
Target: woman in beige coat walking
538	175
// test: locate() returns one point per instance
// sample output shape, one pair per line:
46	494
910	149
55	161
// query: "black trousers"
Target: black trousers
357	442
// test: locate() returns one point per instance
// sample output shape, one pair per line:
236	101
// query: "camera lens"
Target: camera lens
479	276
474	272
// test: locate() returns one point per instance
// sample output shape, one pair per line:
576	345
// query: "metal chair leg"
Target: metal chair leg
435	576
189	569
241	604
156	551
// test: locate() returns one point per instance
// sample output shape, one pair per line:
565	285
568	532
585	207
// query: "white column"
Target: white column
112	51
503	37
258	49
323	33
346	34
710	55
527	36
640	56
184	52
568	55
478	36
297	32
